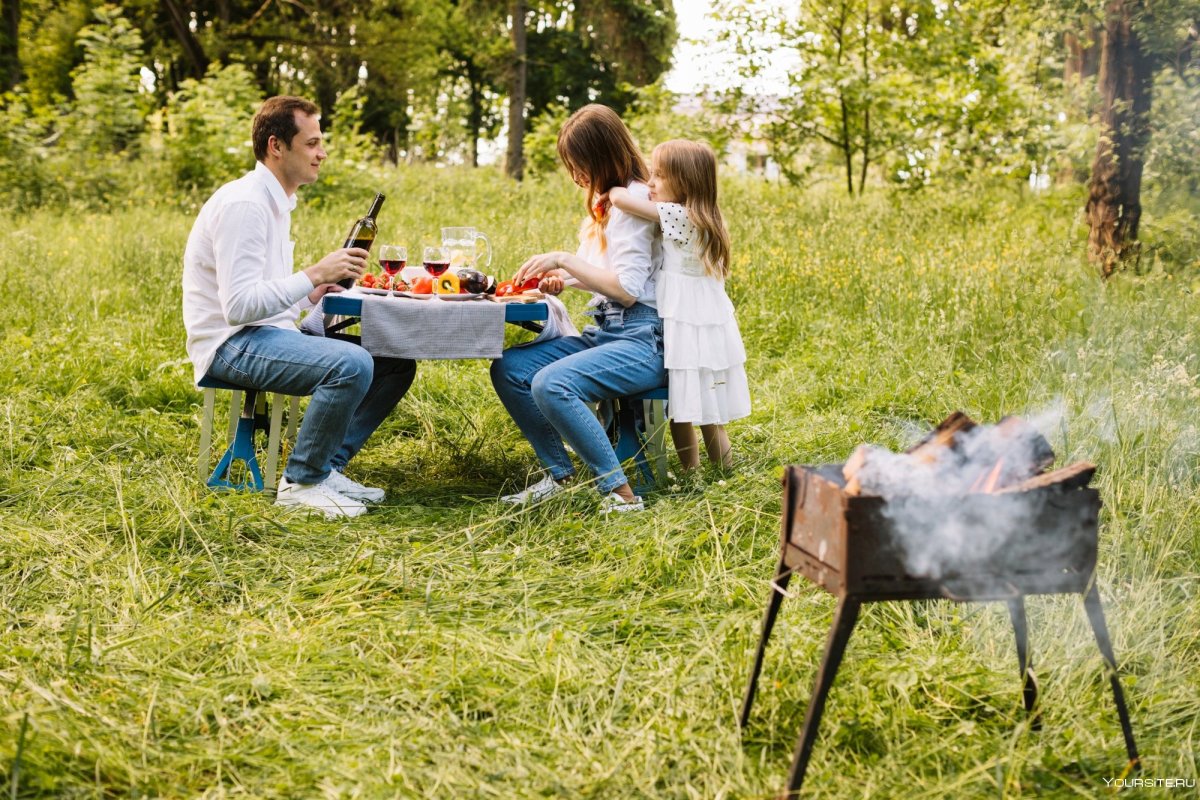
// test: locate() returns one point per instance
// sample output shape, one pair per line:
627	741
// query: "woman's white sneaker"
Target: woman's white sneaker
544	488
318	497
353	489
615	504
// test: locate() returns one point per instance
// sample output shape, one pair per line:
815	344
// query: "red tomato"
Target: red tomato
367	280
422	286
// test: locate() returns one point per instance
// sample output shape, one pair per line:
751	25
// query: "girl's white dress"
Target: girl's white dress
705	358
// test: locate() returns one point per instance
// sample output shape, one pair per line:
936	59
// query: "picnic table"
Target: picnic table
430	326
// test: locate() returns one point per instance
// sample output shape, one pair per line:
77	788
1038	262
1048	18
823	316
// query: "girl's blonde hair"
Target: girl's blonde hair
596	147
691	170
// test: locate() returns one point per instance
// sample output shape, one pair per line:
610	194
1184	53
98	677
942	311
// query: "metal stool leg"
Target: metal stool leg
206	429
839	636
778	591
1029	688
1095	612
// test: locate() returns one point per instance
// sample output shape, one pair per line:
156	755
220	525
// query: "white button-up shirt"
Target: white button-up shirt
237	267
634	251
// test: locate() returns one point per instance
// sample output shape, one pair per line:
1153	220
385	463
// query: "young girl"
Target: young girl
703	347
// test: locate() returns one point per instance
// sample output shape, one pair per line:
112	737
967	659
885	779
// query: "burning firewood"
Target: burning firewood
958	457
1075	476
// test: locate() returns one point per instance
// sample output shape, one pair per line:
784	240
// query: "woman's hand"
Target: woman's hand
540	265
552	284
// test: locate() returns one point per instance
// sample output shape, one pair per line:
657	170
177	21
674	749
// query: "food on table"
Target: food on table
367	281
422	286
506	288
447	283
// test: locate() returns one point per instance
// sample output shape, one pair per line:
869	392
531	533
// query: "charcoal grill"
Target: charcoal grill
850	546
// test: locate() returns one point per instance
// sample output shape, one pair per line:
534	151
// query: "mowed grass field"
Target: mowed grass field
161	640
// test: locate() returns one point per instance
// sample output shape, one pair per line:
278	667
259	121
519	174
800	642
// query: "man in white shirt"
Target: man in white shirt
241	302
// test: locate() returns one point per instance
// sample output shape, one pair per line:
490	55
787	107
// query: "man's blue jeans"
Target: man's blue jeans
546	388
352	393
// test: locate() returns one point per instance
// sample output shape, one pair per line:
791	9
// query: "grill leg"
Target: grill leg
1029	689
778	587
1095	612
839	635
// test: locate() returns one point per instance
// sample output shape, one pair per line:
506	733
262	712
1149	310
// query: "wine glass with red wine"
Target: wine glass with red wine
436	261
393	258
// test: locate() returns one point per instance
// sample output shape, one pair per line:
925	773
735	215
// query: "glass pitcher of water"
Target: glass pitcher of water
464	249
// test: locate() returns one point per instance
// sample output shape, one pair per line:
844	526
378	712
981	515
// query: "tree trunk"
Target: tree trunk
474	111
1083	53
1114	193
10	42
514	162
847	147
191	45
866	50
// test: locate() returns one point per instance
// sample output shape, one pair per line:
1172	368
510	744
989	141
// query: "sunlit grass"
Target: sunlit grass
157	639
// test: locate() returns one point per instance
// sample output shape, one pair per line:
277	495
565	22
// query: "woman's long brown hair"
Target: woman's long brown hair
596	148
691	170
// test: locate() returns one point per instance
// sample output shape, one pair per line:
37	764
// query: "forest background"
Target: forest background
981	205
908	95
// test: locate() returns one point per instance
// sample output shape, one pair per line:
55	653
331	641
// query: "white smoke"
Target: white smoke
940	504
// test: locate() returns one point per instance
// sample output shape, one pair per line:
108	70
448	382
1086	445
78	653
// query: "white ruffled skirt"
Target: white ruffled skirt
703	349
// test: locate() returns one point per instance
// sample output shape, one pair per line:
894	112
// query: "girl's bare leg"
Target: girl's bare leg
716	442
683	434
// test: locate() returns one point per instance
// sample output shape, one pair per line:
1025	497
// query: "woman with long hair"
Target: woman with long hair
547	386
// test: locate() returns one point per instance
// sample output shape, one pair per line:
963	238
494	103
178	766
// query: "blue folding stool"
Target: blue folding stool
637	428
242	429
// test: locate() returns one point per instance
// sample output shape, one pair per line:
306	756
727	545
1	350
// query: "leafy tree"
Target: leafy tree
208	127
108	113
50	35
918	88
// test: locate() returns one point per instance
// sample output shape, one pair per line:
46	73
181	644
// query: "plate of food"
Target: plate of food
460	296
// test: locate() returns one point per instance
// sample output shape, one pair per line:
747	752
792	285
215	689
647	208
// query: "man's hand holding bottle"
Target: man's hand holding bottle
342	264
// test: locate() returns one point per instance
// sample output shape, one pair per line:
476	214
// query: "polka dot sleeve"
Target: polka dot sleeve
675	223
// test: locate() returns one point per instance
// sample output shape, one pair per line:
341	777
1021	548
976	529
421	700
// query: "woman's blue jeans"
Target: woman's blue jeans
352	393
546	387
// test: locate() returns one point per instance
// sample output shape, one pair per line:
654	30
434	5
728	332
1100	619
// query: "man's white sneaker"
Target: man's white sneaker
318	497
544	488
615	504
353	489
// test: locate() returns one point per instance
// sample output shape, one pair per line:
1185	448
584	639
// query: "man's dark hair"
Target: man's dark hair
277	118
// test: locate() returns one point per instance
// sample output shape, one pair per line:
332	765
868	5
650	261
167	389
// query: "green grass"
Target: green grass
157	639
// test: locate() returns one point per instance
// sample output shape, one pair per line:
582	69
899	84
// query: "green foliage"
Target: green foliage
107	115
207	140
353	153
25	181
1175	138
541	142
50	48
918	90
167	641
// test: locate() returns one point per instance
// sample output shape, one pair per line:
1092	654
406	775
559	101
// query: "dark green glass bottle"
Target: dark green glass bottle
363	233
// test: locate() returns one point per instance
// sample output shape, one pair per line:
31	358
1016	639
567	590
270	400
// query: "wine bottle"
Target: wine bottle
363	233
